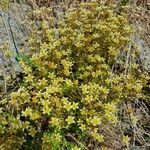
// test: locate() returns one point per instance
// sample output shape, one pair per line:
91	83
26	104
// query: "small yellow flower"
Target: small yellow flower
28	111
68	82
34	115
83	111
54	121
14	95
100	138
134	119
110	107
83	127
45	103
88	98
126	140
75	106
64	100
42	82
34	99
39	94
96	121
29	78
32	132
68	106
26	69
104	90
97	136
46	110
70	120
58	137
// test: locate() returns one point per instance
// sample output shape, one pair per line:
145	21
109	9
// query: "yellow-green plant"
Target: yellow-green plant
78	72
4	4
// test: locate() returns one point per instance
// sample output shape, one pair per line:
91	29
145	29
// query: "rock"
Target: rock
13	32
144	51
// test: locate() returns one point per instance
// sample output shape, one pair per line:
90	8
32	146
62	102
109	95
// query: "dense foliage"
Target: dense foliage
78	72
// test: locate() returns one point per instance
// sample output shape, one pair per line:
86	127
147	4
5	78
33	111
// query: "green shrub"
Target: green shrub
73	81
